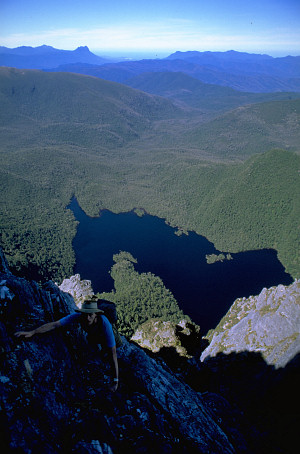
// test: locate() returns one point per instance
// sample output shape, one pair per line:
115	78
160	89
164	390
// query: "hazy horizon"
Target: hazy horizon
122	27
139	54
148	54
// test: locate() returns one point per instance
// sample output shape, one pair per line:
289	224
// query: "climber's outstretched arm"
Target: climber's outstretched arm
41	329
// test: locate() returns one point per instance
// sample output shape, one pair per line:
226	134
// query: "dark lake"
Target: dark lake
204	292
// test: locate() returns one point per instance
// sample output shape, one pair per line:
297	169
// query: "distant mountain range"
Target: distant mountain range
241	71
191	93
123	71
243	63
45	57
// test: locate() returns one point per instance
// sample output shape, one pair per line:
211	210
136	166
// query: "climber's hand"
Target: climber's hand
26	334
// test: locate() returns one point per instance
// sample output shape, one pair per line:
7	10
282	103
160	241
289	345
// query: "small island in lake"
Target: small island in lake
213	258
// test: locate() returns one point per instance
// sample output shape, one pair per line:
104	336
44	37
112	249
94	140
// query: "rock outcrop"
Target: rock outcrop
156	334
79	289
268	323
55	398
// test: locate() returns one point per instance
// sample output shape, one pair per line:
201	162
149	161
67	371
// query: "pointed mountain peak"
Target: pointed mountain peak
82	49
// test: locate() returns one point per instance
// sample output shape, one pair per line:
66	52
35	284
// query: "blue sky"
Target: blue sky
154	26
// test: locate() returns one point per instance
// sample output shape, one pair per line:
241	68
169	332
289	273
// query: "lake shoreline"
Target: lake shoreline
203	292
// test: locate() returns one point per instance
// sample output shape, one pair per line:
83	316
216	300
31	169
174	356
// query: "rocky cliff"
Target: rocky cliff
55	396
268	323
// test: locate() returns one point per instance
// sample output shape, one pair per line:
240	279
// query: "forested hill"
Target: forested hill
118	148
191	93
69	108
249	130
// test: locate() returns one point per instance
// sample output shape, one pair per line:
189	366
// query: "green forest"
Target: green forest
233	178
139	297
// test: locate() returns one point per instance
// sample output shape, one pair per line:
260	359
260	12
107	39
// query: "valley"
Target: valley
226	168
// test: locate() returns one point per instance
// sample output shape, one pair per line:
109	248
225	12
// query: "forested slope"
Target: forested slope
118	148
257	206
139	297
66	109
249	130
208	99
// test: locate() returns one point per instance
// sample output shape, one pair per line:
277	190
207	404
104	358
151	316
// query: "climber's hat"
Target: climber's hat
89	306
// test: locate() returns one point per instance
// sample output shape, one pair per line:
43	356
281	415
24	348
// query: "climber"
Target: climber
98	328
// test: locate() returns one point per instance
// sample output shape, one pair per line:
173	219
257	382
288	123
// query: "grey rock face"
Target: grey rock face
190	415
268	323
79	289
